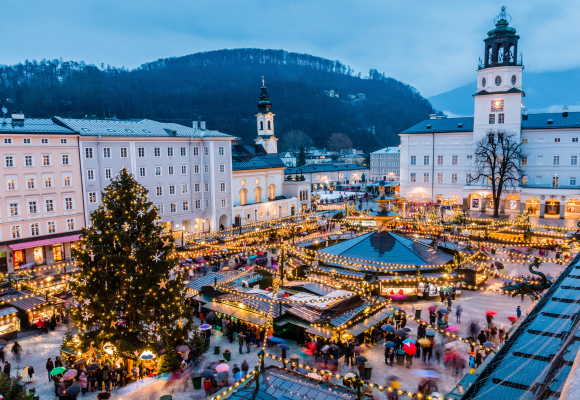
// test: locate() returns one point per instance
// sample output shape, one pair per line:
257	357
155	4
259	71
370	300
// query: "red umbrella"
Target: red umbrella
490	312
513	319
261	253
432	308
410	348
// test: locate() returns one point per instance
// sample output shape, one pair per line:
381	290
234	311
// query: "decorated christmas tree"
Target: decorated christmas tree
129	295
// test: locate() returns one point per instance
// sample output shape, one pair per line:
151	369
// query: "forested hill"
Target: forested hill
222	88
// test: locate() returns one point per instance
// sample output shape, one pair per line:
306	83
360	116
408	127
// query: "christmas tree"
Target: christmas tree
128	292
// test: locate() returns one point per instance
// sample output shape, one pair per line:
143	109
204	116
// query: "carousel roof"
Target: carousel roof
388	247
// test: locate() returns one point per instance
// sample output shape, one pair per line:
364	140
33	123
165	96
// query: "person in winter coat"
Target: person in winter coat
421	331
348	354
99	377
135	372
49	367
501	334
39	325
247	339
30	373
361	370
245	367
83	380
391	356
58	362
6	369
241	342
52	322
478	359
472	363
481	337
458	312
432	317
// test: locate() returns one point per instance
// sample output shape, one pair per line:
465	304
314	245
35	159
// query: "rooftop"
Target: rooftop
32	125
328	167
254	156
388	150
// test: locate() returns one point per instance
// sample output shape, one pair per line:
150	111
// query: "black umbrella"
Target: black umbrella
401	332
72	392
361	359
93	367
208	373
333	347
407	329
210	316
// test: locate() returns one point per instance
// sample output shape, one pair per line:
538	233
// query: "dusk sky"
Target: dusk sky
432	45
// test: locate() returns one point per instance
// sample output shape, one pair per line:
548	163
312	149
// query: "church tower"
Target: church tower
265	122
498	100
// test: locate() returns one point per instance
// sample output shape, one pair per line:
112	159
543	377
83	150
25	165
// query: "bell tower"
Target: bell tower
498	100
265	123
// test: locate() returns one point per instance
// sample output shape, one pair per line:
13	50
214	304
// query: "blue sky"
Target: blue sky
432	45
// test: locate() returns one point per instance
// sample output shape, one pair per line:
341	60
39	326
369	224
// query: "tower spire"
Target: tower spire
264	104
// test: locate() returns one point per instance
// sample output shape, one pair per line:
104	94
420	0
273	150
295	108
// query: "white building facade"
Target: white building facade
437	154
385	164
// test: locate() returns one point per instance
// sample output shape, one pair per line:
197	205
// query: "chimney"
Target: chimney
565	111
525	116
202	123
432	116
18	117
195	125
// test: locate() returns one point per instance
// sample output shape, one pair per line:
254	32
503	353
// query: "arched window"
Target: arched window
244	197
512	54
258	194
272	192
489	55
269	125
261	125
500	51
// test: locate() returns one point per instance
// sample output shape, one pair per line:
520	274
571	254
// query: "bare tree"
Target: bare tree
498	164
293	140
339	142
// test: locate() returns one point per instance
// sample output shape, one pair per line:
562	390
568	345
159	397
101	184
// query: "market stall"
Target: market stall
31	309
9	323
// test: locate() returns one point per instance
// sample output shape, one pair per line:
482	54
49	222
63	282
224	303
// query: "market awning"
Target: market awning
237	313
369	322
202	298
292	321
325	333
44	242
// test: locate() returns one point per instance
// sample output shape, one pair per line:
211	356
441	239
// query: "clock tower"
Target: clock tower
498	100
265	120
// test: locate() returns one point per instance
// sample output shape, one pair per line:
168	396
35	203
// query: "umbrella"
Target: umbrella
498	264
401	332
360	359
59	370
456	345
205	327
388	328
349	375
324	348
390	345
333	347
408	341
549	277
275	266
444	311
238	375
513	319
426	373
71	373
24	372
274	339
222	368
284	346
208	373
92	367
432	308
490	312
424	342
80	361
410	348
2	343
489	344
407	329
452	328
181	349
260	253
357	349
210	316
253	257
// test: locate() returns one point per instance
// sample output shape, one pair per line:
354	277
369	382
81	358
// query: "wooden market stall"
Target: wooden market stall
31	309
9	323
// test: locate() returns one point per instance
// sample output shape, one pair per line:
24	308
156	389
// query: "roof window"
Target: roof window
460	125
146	131
550	121
128	130
428	126
111	130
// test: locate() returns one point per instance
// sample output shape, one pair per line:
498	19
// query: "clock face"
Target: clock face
496	105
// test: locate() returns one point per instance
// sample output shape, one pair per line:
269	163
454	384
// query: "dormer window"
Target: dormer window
428	126
460	125
550	121
111	130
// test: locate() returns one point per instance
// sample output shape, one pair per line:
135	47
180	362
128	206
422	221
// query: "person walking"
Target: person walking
458	312
2	355
135	372
58	362
16	351
241	342
39	326
519	312
49	368
7	367
83	380
30	373
52	322
391	356
361	370
501	334
245	367
247	339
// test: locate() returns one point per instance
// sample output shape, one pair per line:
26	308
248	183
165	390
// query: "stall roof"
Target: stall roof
208	280
16	295
369	322
203	298
237	313
28	304
323	332
258	302
7	311
340	271
292	321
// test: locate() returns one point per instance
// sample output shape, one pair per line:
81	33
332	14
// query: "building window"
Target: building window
66	181
70	224
524	140
258	195
43	141
30	184
26	141
454	160
7	140
413	160
142	172
184	170
11	184
171	190
572	181
170	152
196	151
222	186
554	181
51	226
141	152
64	158
108	173
469	157
413	177
557	140
206	186
170	170
467	178
92	197
453	178
159	191
206	168
49	205
205	151
196	187
13	209
524	160
540	160
184	188
157	171
222	168
185	206
221	150
28	161
198	204
425	177
9	161
89	152
34	229
425	160
439	160
500	118
574	160
16	232
106	152
46	160
68	203
47	182
183	151
223	203
272	192
556	160
159	208
492	118
172	207
157	151
32	207
123	152
90	174
439	178
574	140
196	169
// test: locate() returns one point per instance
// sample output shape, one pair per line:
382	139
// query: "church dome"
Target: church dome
264	104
